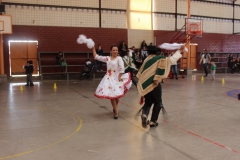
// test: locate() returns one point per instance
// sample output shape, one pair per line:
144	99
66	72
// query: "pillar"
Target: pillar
188	37
1	51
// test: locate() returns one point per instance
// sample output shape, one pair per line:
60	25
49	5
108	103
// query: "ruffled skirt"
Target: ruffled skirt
111	88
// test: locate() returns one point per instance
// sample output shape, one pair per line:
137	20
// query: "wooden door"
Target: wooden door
20	53
193	57
183	61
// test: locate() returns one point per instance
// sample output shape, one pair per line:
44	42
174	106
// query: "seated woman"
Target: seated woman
143	44
138	60
230	58
144	53
129	66
232	66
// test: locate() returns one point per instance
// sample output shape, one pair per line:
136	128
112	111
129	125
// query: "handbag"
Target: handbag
64	64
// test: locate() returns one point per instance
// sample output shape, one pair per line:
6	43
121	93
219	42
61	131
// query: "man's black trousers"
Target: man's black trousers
153	97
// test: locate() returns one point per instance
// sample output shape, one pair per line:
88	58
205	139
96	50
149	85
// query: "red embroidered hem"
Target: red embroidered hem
120	96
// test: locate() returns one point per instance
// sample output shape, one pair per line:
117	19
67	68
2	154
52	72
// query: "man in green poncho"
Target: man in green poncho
153	70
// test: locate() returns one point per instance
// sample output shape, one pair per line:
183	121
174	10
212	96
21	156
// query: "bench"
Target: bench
51	74
75	63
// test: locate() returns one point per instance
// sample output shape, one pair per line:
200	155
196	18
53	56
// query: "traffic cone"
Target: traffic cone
21	88
55	86
223	81
202	78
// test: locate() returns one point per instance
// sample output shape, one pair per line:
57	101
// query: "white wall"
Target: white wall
237	2
114	4
217	26
114	19
164	6
211	9
45	16
164	22
210	25
237	12
135	37
77	3
237	27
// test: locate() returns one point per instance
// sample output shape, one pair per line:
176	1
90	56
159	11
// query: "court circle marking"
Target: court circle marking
51	144
233	93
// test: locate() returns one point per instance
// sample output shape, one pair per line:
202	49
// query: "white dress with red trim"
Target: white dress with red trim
110	87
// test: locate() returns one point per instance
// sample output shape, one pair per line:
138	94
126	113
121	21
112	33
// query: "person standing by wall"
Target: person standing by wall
233	65
144	44
123	47
29	68
213	69
59	58
238	64
205	59
100	53
174	69
230	58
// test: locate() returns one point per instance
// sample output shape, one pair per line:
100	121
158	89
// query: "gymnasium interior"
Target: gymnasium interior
59	118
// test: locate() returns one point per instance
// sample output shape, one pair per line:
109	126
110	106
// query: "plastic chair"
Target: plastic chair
182	72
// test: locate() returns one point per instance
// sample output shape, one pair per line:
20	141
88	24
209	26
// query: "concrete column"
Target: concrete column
188	37
1	52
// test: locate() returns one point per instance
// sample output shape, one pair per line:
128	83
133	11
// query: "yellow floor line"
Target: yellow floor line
52	144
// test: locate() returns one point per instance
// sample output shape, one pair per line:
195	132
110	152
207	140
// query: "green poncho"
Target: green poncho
153	70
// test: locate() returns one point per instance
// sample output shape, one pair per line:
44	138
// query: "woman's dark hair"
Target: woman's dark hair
114	45
138	51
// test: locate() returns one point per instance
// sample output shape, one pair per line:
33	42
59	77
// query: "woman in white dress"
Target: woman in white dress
115	83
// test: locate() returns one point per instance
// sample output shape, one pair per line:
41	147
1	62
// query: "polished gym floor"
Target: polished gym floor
69	123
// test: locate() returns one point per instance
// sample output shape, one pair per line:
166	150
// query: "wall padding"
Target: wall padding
46	16
116	4
114	19
75	3
164	6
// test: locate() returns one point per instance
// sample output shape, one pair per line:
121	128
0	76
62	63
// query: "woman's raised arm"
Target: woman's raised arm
94	52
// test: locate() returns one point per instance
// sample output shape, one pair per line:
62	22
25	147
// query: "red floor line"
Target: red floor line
205	139
194	134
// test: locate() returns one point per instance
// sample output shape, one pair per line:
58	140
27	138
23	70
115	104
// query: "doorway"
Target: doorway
19	53
193	56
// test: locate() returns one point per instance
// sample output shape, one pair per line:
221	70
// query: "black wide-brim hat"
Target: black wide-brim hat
123	53
153	49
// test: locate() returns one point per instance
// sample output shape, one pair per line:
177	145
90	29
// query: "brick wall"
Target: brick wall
219	45
210	41
54	39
